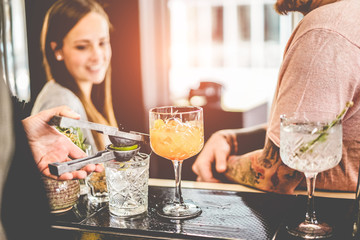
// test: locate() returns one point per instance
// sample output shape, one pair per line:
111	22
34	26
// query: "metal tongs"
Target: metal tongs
109	154
118	139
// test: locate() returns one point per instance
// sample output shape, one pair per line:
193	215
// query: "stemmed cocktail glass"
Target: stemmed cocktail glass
177	133
311	142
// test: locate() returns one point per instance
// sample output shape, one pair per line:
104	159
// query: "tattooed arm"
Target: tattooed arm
221	145
263	169
234	152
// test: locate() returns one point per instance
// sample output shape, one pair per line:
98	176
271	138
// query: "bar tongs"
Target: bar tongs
118	138
109	154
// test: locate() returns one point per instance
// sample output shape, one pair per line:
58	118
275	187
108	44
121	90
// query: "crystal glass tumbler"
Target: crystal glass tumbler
127	184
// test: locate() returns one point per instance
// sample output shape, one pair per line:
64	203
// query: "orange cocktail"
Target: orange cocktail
177	133
176	140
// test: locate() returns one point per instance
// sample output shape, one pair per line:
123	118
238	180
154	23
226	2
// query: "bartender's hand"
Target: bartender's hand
216	151
48	145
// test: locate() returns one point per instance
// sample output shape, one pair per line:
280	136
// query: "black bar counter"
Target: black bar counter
227	214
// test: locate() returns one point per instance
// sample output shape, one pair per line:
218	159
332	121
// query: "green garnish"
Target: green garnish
75	135
323	132
126	148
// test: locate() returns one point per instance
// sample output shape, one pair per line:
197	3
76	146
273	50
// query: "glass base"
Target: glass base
101	198
311	231
179	211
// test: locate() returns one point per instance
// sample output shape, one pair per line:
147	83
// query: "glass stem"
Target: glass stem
310	209
177	170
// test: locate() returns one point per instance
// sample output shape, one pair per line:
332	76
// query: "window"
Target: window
13	48
237	43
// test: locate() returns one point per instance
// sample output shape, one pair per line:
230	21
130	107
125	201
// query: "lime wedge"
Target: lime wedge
126	148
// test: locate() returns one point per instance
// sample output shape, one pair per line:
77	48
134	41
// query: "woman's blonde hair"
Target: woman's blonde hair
59	20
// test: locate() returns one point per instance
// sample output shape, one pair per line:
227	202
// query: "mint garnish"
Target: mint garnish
324	131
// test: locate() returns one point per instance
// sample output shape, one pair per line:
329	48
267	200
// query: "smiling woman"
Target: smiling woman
75	43
125	59
86	51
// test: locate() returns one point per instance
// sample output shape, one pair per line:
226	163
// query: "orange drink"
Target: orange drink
177	133
176	140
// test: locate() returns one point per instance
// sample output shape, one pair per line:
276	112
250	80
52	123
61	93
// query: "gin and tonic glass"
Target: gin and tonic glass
311	142
177	133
